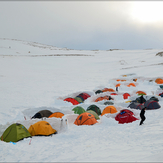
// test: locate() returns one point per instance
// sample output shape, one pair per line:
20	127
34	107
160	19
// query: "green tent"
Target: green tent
94	108
78	110
14	133
78	99
108	103
94	113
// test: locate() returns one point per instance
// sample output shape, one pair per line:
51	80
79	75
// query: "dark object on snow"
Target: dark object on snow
98	91
142	100
117	89
154	98
108	103
150	105
142	116
136	105
42	113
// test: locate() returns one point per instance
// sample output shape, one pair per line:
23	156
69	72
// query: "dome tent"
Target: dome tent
94	113
150	105
109	109
57	115
41	128
125	116
42	113
72	100
78	110
85	119
14	133
94	108
136	105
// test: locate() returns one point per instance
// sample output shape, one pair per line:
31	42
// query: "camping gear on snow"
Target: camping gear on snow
103	98
41	128
150	105
57	115
161	94
79	99
141	93
98	91
94	108
108	90
140	99
42	113
72	100
84	95
108	103
125	116
131	84
126	95
136	105
159	81
161	86
109	109
85	119
94	113
113	94
14	133
78	110
154	98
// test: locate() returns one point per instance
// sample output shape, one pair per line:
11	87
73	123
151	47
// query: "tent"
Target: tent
140	99
103	98
98	91
42	113
141	93
161	94
136	105
79	99
94	108
72	100
41	128
109	109
154	98
108	103
85	119
131	84
94	113
150	105
57	115
126	95
78	110
161	86
159	81
14	133
125	116
108	90
84	95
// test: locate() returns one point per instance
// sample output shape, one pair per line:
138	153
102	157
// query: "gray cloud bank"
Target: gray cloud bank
78	25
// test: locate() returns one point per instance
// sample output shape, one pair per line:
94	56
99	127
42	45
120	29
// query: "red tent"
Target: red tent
84	95
125	116
126	95
72	100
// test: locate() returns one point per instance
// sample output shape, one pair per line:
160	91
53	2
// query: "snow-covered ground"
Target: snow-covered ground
34	77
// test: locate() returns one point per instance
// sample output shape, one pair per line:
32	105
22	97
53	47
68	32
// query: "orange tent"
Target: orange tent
109	109
41	128
103	98
141	93
159	81
131	84
85	119
118	85
121	80
57	115
108	90
72	100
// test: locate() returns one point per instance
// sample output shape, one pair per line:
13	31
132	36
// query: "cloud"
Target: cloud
77	24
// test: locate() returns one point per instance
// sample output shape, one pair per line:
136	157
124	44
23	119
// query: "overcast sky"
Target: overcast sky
85	25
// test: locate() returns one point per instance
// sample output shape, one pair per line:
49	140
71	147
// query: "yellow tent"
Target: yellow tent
109	109
41	128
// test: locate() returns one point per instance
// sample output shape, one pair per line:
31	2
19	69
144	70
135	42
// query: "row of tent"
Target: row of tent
17	131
